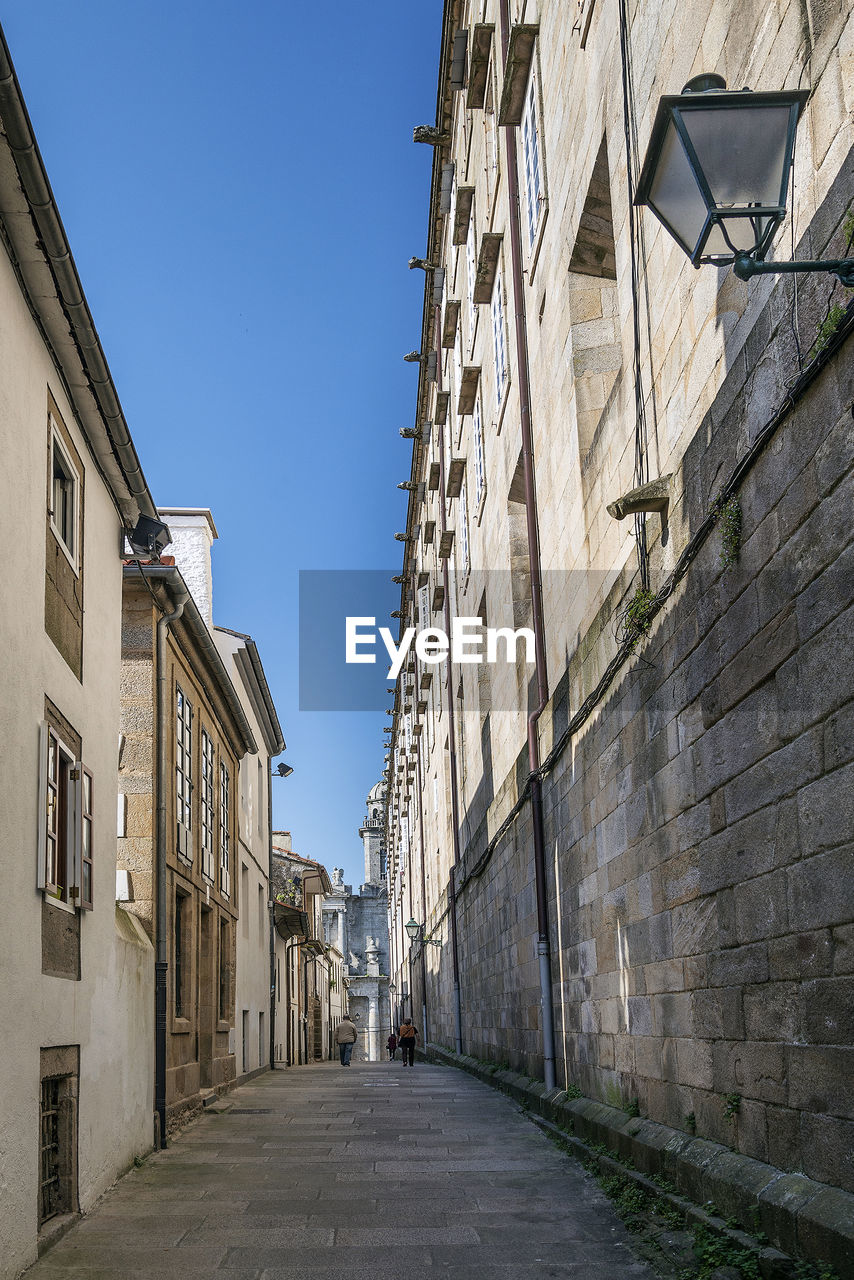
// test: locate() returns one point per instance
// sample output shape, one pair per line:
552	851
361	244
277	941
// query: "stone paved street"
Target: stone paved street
364	1173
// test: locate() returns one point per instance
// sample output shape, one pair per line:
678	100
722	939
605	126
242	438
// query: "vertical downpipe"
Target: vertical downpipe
161	961
543	944
452	737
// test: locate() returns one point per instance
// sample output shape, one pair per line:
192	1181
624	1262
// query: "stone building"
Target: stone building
255	976
357	924
75	995
309	972
636	847
184	733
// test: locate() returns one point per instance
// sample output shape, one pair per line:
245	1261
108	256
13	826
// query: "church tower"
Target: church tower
373	837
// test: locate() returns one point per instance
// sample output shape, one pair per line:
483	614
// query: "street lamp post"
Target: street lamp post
716	175
415	932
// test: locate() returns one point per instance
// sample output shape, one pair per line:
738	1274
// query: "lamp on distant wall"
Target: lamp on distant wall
283	770
716	175
415	933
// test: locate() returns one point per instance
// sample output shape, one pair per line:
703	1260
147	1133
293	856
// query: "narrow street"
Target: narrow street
365	1173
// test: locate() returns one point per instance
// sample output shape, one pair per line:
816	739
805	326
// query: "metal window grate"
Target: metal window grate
50	1198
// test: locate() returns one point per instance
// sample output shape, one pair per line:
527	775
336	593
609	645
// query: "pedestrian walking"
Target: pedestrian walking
406	1037
391	1045
345	1038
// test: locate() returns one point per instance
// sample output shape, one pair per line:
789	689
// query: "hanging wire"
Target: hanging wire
641	435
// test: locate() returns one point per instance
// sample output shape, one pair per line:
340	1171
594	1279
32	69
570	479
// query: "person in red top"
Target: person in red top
407	1035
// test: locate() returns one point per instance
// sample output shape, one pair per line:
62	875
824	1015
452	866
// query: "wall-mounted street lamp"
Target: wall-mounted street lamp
283	770
415	932
716	175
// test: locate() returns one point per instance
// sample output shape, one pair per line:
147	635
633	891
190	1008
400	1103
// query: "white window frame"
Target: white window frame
207	806
479	455
71	553
424	607
471	270
499	338
183	774
224	829
532	163
465	555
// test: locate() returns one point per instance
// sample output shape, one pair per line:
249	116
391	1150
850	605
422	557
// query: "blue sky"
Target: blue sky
241	193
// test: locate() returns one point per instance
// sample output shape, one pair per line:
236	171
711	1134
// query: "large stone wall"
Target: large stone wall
699	835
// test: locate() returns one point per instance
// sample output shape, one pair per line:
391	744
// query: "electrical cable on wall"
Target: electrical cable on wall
630	132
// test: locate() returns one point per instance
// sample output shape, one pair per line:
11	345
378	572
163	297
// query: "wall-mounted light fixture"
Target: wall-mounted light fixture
716	175
149	537
415	932
283	770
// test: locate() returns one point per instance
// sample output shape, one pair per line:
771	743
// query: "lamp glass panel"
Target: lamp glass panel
674	194
741	150
745	234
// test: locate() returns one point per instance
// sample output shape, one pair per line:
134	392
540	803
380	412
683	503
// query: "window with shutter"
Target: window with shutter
65	831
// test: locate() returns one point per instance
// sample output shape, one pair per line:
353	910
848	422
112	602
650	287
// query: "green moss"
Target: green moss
827	329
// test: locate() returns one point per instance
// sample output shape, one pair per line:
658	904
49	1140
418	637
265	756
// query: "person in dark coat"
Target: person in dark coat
391	1045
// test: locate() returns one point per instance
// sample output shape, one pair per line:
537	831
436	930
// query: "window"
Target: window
435	794
534	193
65	852
471	270
180	975
383	864
64	497
183	774
407	730
464	527
499	345
423	609
224	829
479	463
207	806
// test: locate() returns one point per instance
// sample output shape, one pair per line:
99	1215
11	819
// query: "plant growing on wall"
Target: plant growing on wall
728	515
636	620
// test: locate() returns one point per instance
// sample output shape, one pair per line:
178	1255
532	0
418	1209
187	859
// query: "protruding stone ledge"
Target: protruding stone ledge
802	1218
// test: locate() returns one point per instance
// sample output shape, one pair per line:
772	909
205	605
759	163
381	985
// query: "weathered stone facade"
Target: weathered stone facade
696	778
357	925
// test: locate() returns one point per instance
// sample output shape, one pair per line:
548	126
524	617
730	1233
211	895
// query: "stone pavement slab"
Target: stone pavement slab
331	1173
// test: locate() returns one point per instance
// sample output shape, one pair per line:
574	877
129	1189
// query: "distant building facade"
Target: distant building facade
357	924
308	971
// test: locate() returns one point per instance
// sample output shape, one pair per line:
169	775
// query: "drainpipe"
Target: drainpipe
452	737
543	944
161	961
423	896
271	910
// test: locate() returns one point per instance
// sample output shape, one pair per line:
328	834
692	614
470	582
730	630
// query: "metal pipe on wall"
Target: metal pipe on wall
161	962
533	538
452	737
